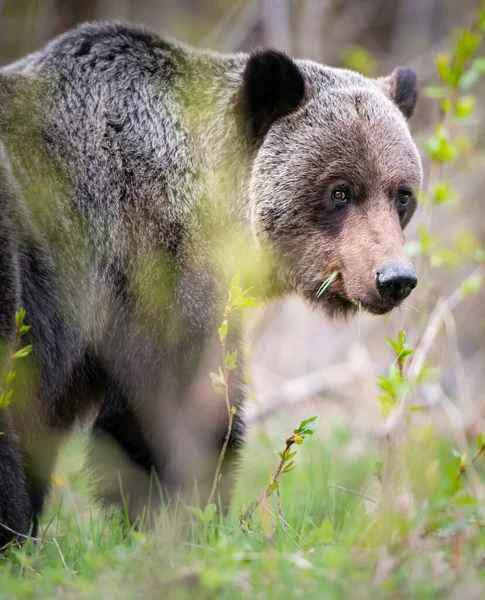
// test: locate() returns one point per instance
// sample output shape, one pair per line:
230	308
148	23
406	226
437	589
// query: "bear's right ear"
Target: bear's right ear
273	86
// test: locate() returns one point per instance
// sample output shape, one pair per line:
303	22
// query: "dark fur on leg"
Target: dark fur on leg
15	499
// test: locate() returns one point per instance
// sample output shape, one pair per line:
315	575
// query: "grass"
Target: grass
327	283
335	544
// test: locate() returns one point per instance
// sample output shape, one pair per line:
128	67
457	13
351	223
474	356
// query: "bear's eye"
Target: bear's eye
404	197
340	196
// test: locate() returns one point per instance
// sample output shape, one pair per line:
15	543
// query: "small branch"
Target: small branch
436	320
266	493
465	467
362	495
238	300
217	474
359	494
22	535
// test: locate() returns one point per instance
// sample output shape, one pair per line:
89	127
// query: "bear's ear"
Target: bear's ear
273	86
402	88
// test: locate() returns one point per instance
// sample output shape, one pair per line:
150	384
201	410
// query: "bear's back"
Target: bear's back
111	123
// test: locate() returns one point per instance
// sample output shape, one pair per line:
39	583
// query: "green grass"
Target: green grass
334	544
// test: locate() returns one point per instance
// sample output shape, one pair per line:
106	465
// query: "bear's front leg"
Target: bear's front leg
16	508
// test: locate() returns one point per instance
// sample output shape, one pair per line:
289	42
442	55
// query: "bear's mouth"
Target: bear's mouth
379	307
333	292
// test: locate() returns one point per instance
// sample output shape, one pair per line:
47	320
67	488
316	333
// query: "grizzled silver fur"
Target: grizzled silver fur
136	174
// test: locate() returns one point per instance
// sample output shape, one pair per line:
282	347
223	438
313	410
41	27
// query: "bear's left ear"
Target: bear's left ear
273	86
402	88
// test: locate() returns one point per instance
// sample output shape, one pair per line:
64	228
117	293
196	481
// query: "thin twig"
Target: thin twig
268	490
365	497
436	320
461	379
465	467
280	509
220	460
359	494
22	535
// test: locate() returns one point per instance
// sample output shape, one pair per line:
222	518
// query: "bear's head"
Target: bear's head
334	179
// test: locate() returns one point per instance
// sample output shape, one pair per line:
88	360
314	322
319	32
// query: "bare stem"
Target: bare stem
268	490
217	474
464	468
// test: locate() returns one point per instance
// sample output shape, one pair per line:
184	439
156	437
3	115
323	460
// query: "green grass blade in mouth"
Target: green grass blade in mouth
327	283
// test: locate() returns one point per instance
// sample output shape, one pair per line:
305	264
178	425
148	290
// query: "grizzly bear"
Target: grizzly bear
137	175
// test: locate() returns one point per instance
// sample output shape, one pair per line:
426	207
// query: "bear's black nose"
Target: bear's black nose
396	281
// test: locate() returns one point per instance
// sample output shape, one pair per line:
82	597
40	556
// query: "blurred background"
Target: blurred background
300	363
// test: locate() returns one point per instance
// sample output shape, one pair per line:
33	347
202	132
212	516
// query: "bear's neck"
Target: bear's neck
222	150
225	158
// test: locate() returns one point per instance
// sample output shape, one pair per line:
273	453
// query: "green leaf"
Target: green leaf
23	352
289	456
308	426
442	192
24	329
467	244
271	486
443	67
238	298
466	44
19	317
439	147
385	385
10	377
288	467
223	329
469	78
472	285
444	256
480	440
464	107
240	302
427	240
218	382
358	58
230	360
392	344
387	404
5	399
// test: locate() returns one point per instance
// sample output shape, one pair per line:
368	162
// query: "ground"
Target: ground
333	544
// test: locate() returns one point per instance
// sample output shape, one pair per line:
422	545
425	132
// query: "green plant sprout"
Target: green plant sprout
238	300
287	464
6	390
